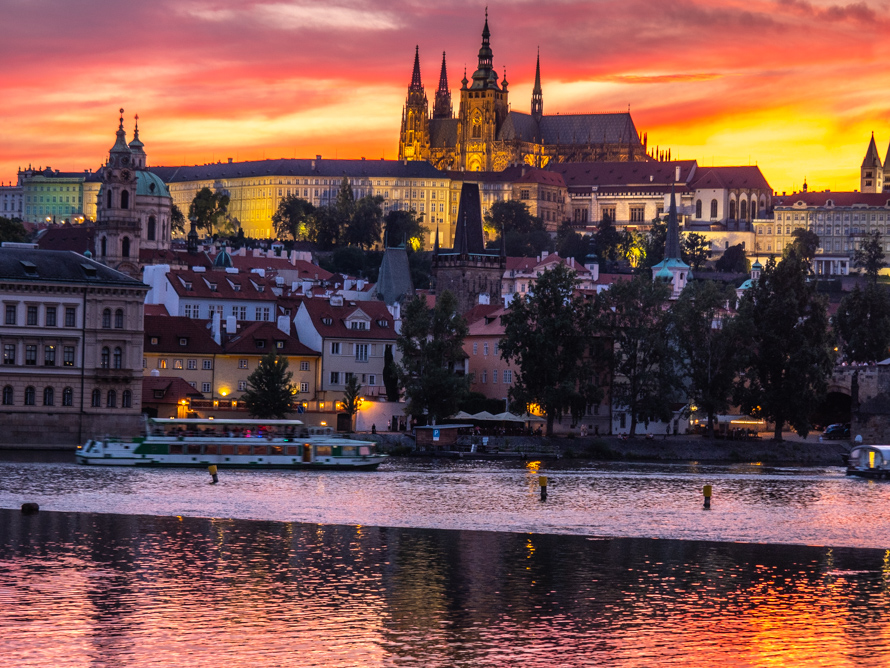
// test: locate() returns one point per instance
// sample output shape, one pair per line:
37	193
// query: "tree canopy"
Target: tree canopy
363	228
862	324
733	260
270	392
352	398
209	209
696	250
12	230
870	256
177	220
404	227
325	227
293	217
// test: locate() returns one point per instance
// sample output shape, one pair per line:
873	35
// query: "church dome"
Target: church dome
664	274
150	184
223	260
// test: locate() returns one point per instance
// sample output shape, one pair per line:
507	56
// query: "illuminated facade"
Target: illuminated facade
52	196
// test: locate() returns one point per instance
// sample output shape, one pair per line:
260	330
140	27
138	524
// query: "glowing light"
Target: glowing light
324	424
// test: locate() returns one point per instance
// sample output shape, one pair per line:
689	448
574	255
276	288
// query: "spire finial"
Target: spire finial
415	75
121	126
537	94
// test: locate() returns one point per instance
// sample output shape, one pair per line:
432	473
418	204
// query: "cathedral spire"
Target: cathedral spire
672	244
537	94
415	76
442	107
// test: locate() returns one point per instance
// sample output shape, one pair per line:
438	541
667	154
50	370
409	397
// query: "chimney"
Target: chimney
230	161
231	324
677	174
215	328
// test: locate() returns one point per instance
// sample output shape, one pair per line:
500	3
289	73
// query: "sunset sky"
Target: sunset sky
793	86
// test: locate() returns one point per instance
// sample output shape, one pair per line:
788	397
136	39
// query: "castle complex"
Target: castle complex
487	135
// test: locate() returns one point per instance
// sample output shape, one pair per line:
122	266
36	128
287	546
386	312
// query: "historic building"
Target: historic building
487	135
71	336
873	174
48	195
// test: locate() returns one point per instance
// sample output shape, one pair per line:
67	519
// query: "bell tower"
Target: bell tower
872	171
414	138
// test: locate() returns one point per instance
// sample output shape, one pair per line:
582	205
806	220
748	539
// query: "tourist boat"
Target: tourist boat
226	443
869	461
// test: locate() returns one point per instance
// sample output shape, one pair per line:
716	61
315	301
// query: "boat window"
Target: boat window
348	451
227	449
293	450
194	449
211	449
176	448
364	450
243	450
277	450
322	450
261	449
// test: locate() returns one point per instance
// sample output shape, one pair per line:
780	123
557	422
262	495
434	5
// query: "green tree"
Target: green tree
634	316
12	230
547	339
608	240
706	341
177	220
804	244
524	244
390	375
862	324
573	245
510	216
364	228
870	256
352	399
784	346
733	260
404	227
696	250
293	217
431	344
209	209
654	244
270	391
345	202
324	228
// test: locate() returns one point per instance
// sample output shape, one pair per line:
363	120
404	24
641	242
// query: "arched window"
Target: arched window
8	396
108	198
150	233
29	396
697	210
49	397
752	212
743	210
713	208
126	399
106	319
732	209
118	357
67	397
111	402
96	400
125	247
106	358
103	245
119	319
125	199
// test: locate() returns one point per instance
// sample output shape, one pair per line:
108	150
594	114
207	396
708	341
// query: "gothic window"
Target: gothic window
477	127
732	209
125	199
108	199
125	247
8	396
29	395
698	208
743	210
111	402
150	234
713	208
126	399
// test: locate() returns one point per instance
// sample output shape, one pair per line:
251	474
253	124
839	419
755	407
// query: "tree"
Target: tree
633	248
706	342
547	339
870	256
524	244
390	375
431	344
208	208
733	260
804	244
510	216
862	324
696	250
364	228
324	228
573	245
352	398
12	230
404	227
293	217
784	346
634	315
177	220
655	241
608	240
269	391
345	202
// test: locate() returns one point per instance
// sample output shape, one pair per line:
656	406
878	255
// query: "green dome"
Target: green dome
150	184
756	265
664	274
223	259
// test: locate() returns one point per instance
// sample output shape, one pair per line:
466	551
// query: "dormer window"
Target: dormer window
154	340
279	345
358	324
183	341
382	323
260	343
236	287
327	320
188	285
213	287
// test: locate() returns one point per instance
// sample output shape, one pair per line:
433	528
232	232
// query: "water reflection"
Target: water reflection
82	589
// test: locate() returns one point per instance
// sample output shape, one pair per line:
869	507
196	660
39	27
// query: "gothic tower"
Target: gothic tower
537	94
483	109
872	177
414	138
442	108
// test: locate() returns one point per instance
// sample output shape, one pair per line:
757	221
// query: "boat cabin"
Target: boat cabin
871	461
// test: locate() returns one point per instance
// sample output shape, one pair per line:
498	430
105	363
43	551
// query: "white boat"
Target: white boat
227	443
869	461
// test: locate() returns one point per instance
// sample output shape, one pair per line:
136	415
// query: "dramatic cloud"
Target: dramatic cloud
792	85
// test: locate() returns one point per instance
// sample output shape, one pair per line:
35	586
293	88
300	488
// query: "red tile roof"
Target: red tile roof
77	238
747	176
174	390
321	309
838	199
261	338
155	309
623	173
480	312
201	285
169	332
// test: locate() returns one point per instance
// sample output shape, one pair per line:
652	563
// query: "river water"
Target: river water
444	564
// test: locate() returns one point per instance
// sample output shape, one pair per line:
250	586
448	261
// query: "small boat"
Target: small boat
869	461
228	443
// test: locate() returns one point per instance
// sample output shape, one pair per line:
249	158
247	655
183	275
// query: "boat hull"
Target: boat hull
249	465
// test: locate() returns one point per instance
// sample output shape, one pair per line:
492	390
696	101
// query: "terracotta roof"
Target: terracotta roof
261	338
176	257
490	325
321	309
227	286
480	312
155	309
176	334
542	176
838	199
77	238
730	177
624	173
174	390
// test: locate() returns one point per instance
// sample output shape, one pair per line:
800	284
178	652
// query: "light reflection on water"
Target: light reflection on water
121	590
818	506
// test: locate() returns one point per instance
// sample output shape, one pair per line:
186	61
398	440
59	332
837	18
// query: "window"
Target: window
637	214
495	351
30	395
358	324
304	366
177	364
30	355
335	347
475	348
10	314
32	315
67	397
335	377
205	387
372	379
8	396
279	345
50	316
9	353
207	365
361	352
261	343
523	194
494	375
151	228
105	360
49	398
484	376
304	387
508	376
162	363
119	319
242	364
49	355
192	364
698	208
713	208
126	399
96	399
125	199
242	385
111	399
106	319
118	358
262	313
485	348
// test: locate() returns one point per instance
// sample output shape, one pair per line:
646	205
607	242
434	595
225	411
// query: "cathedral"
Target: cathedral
487	136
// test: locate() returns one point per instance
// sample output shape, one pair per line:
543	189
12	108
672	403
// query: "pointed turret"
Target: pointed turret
415	76
672	269
137	147
537	94
442	107
672	244
485	76
120	142
872	177
436	242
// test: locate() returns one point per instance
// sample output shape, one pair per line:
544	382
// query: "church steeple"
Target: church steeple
537	94
416	84
442	107
137	148
872	170
485	75
414	138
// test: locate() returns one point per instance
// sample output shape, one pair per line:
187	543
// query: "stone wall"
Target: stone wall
64	430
